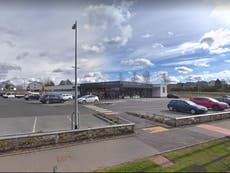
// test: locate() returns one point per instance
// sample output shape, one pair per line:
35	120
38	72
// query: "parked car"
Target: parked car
210	103
9	95
32	96
51	98
186	106
224	99
172	96
88	99
67	96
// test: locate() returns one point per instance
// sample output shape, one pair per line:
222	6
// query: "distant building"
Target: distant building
123	89
62	89
7	86
35	86
114	89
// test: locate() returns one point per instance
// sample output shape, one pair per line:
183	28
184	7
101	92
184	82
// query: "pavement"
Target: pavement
149	139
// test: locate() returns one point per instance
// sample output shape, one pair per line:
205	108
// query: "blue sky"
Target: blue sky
186	41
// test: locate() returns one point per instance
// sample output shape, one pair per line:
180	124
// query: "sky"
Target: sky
182	40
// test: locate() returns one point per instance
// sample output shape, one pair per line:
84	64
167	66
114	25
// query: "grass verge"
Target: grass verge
210	157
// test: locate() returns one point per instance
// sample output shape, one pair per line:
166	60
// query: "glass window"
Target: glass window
163	89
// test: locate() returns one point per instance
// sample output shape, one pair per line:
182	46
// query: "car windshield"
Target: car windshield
213	100
85	96
191	103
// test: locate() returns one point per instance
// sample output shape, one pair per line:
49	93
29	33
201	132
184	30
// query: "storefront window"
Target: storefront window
163	89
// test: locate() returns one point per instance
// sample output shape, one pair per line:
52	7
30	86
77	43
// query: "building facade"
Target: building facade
113	90
35	86
123	89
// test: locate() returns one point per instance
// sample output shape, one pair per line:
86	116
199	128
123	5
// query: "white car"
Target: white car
88	99
9	95
67	96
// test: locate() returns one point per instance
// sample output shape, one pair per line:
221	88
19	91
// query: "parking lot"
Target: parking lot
148	106
19	116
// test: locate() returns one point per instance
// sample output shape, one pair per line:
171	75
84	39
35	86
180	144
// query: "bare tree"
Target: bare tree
134	77
163	77
146	76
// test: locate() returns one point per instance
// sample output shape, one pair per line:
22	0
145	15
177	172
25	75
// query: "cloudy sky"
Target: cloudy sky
187	41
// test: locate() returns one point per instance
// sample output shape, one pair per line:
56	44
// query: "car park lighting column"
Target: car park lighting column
76	117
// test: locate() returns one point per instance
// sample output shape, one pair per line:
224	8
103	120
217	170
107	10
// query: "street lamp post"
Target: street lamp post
76	113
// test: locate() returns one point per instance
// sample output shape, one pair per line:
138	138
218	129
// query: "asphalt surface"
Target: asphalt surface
147	106
18	116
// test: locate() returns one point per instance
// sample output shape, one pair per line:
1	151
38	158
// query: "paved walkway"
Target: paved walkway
150	139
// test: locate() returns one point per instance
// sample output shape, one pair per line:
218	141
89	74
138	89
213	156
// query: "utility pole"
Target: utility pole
76	112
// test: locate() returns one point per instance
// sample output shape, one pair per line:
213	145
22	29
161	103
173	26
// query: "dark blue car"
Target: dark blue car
224	99
186	106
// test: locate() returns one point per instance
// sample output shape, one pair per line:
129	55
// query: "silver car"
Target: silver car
88	99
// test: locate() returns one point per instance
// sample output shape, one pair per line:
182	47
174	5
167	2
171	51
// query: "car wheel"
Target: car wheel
171	108
192	111
84	102
47	102
215	108
96	101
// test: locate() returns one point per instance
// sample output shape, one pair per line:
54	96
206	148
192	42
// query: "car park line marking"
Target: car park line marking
214	128
70	120
35	121
112	113
155	129
97	108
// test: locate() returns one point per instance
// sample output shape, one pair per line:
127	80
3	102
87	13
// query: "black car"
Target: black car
186	106
224	99
51	98
172	96
33	96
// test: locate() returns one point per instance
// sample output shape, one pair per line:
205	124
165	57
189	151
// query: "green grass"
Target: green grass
211	157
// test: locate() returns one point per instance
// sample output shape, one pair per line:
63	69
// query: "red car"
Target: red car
209	103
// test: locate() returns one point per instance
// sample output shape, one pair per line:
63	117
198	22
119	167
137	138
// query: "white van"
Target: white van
9	95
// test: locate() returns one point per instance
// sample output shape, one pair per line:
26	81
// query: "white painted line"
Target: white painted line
35	121
70	120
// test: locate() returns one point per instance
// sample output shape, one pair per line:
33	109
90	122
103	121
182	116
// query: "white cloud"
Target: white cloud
112	19
138	63
170	34
147	35
157	46
183	69
138	78
227	60
221	12
203	62
214	41
164	77
222	75
93	77
92	48
194	78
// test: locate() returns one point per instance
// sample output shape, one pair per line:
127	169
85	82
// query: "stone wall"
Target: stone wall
186	120
42	139
201	118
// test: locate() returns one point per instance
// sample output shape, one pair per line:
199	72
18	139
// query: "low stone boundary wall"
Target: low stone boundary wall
186	120
195	119
9	143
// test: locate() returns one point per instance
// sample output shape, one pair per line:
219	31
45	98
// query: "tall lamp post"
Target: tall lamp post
76	113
